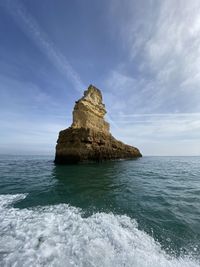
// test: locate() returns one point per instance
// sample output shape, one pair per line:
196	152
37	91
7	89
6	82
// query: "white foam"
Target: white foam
60	236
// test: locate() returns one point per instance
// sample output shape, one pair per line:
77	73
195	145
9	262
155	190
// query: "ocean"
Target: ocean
143	212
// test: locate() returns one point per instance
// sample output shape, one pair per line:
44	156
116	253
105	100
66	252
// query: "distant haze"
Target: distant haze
143	55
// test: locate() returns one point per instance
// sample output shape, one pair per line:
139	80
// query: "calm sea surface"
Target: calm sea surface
143	212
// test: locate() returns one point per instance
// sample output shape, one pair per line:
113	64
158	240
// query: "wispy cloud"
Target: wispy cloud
30	26
163	55
161	134
154	93
162	125
172	50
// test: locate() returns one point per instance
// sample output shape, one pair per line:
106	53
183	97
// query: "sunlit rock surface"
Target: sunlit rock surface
89	138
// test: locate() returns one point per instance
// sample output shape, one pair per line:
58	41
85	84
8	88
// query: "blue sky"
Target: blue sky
143	55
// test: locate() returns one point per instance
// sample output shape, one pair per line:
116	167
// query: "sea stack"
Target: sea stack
89	137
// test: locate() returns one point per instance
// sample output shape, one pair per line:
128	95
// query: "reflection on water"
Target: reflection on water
93	187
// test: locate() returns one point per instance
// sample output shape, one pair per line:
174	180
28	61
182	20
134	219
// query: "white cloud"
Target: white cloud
162	125
155	92
173	46
162	43
161	134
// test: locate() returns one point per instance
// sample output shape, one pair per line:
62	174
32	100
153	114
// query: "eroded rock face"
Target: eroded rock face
89	138
89	111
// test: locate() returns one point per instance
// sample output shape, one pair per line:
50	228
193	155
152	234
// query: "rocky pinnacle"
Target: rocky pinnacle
89	137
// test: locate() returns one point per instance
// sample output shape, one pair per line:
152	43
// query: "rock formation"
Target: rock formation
89	137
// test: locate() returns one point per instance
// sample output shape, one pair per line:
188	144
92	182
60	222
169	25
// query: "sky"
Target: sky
143	55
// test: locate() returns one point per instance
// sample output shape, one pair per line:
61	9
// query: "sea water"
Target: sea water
143	212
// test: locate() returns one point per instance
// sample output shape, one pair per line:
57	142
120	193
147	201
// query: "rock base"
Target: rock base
76	145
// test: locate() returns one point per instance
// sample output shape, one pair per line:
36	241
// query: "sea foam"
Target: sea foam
59	235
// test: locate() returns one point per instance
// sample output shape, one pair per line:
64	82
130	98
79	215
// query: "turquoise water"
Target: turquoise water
143	212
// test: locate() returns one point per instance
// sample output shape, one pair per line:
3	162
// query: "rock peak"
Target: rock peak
89	111
93	90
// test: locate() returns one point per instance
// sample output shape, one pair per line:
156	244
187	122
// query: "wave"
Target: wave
59	235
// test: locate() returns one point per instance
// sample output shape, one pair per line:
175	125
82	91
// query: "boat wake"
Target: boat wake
59	235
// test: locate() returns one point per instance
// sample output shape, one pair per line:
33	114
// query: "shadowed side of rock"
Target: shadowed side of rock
79	145
89	139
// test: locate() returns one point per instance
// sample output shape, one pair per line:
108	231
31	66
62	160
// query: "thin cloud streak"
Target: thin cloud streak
29	25
175	115
161	134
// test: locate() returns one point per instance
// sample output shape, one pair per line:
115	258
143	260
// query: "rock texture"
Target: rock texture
89	137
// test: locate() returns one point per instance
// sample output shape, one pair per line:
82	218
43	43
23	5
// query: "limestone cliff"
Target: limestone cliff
89	138
89	111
